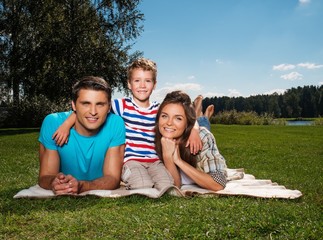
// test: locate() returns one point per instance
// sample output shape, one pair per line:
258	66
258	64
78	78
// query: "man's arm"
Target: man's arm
111	172
49	166
49	176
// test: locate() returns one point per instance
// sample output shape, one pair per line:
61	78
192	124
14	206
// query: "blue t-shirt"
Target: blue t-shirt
83	156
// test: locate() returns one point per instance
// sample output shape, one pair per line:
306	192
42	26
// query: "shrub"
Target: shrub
318	121
242	118
31	111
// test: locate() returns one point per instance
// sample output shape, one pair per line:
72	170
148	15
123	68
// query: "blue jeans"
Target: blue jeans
204	122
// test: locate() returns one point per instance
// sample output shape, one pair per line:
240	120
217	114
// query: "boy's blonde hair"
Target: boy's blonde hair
144	64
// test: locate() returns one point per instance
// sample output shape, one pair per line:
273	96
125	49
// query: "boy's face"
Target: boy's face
91	108
141	84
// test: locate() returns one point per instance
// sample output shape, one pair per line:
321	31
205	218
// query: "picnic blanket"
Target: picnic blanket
239	184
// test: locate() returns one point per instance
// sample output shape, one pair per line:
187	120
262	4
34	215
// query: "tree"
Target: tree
48	44
307	101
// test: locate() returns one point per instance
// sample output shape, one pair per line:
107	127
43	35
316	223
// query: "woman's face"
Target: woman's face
172	121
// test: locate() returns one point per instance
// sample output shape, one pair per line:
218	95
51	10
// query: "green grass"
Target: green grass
289	155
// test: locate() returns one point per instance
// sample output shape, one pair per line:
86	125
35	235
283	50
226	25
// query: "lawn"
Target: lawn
289	155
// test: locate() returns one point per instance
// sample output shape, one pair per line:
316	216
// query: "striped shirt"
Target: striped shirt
140	124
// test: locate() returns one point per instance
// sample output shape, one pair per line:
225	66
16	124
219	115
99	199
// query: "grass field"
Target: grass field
289	155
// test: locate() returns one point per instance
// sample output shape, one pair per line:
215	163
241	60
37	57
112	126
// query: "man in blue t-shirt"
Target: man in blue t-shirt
93	157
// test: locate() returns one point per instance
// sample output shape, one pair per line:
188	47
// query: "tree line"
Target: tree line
300	102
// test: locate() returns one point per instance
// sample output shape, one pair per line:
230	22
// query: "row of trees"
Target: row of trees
300	102
47	44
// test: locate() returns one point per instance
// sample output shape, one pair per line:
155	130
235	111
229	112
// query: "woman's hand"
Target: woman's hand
170	158
170	150
168	147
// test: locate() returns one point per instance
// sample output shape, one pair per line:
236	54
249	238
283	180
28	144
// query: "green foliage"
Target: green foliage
318	121
242	118
289	155
47	45
297	102
32	111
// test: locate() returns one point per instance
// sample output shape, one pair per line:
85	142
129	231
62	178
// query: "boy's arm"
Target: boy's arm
111	172
194	141
61	134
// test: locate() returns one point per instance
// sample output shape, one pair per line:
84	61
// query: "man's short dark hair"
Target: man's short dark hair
91	83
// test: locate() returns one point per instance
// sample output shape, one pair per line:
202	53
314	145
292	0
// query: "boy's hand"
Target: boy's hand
194	141
61	135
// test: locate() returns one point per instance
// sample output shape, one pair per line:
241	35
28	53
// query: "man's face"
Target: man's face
91	108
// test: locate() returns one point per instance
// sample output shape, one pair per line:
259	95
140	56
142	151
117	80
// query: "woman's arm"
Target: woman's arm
202	179
210	162
210	170
170	149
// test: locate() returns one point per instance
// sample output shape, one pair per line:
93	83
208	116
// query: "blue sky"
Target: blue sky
233	47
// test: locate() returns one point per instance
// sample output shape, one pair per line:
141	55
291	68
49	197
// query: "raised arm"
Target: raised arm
170	150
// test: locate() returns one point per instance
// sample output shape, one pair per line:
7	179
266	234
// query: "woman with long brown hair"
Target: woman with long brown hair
175	120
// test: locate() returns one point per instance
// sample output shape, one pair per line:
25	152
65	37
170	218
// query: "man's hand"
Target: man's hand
65	185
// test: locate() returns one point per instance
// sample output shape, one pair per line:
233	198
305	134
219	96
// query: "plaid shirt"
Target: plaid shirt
209	159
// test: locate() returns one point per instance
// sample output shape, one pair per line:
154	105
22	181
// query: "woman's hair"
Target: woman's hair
144	64
181	98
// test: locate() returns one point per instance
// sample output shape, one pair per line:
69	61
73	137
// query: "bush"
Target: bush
32	111
242	118
318	121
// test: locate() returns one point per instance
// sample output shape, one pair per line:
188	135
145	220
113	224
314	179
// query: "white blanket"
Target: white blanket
239	184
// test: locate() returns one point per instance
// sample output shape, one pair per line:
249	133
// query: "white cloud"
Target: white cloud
234	93
219	61
191	77
292	76
309	65
303	2
184	86
320	83
212	94
283	67
190	88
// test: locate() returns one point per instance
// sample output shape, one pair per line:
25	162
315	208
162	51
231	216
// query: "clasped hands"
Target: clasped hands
65	185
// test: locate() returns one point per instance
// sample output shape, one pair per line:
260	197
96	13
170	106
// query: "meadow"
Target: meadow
289	155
